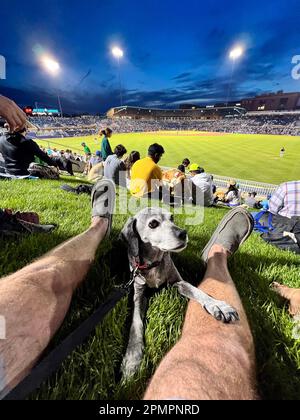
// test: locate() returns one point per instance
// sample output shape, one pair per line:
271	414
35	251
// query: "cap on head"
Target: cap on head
194	167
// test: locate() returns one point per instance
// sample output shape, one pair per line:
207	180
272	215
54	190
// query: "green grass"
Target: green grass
92	371
253	157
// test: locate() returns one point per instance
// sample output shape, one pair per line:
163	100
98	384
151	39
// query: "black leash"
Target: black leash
52	362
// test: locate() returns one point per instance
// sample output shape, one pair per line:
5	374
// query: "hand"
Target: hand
15	117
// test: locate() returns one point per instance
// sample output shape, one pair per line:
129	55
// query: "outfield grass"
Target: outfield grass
253	157
92	372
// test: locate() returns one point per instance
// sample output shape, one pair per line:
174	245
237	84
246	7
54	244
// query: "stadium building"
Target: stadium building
279	101
201	113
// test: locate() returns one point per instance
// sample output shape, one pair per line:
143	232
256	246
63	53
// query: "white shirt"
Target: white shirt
204	184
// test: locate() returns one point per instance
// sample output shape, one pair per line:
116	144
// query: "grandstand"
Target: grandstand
209	112
270	122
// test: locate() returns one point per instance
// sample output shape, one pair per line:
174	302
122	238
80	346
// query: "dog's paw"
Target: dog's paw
131	364
221	311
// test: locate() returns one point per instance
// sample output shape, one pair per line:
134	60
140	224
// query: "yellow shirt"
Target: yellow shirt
142	173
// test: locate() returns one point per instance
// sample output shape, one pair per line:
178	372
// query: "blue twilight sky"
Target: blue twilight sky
175	51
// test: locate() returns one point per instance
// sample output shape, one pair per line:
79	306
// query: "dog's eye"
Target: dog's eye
153	224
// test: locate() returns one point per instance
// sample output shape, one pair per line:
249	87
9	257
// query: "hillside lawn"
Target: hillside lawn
92	372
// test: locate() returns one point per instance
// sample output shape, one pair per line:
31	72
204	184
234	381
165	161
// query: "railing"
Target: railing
245	186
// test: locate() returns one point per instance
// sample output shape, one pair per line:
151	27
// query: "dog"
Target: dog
151	236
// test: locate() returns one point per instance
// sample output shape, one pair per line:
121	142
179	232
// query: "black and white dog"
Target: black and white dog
151	236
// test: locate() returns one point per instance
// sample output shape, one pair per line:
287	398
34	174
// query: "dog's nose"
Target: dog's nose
182	235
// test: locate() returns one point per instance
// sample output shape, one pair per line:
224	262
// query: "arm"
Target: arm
12	113
40	154
277	201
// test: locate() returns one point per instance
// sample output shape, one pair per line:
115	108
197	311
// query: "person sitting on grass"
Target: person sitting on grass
185	164
282	221
95	159
133	157
251	201
114	167
146	175
232	196
106	149
19	152
201	185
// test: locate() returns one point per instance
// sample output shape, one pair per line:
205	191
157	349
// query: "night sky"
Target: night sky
175	51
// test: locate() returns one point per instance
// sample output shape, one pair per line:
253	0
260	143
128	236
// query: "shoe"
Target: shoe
233	230
103	201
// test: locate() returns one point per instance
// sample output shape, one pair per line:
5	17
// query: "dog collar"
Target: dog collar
143	267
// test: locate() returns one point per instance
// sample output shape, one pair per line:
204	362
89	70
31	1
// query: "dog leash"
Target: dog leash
52	362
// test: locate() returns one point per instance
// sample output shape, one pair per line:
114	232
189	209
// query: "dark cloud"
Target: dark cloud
183	77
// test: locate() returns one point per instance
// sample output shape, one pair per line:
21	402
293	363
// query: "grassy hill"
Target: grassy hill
92	372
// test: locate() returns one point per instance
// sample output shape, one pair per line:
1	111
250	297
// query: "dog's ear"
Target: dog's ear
130	235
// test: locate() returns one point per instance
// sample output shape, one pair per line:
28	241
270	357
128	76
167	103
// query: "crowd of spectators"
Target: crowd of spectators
89	125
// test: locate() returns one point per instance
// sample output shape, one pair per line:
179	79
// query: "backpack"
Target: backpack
263	222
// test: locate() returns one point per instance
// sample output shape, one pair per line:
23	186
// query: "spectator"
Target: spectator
146	175
282	222
19	152
233	195
14	116
286	200
86	150
114	167
97	158
105	145
250	201
185	164
130	161
202	186
265	204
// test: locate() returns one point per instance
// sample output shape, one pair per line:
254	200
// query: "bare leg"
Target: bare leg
292	295
212	360
35	300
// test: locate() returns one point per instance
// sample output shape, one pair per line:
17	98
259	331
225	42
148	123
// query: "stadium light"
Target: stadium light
236	52
118	53
52	67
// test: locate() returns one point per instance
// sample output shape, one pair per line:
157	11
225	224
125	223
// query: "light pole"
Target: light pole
234	54
118	53
53	68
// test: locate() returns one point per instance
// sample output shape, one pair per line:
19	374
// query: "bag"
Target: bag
263	222
279	231
42	171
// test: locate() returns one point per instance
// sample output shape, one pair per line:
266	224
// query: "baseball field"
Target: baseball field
92	371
